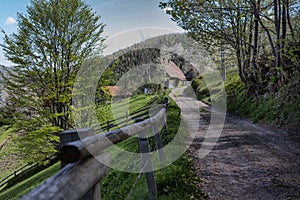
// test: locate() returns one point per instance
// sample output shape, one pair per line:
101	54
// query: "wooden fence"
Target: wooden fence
26	171
81	173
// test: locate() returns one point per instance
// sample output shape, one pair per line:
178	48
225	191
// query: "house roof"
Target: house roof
116	91
173	71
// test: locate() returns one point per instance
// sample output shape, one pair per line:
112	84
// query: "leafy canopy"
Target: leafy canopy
54	38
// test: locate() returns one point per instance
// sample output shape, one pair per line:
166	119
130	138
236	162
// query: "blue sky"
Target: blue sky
118	15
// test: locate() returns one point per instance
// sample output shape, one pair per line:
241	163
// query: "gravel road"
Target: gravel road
249	161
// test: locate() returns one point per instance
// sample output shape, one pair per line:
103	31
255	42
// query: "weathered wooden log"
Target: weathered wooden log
71	182
74	135
147	164
93	145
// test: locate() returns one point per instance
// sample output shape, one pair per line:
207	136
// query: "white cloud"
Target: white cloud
168	9
10	20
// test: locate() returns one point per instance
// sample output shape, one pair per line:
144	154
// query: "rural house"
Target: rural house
116	91
174	76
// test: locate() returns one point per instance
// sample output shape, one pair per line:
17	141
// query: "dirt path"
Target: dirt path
249	161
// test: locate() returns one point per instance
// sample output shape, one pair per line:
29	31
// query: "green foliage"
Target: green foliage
177	181
38	144
209	89
10	158
281	109
53	39
5	117
30	142
200	88
277	110
262	49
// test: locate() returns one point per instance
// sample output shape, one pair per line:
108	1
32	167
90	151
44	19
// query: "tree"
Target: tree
243	25
218	22
52	41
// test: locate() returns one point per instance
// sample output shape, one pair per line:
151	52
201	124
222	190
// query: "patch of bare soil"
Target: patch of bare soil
249	161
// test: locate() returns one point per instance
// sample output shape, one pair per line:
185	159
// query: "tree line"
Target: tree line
263	35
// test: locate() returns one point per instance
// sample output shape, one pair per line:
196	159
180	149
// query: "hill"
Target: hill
150	51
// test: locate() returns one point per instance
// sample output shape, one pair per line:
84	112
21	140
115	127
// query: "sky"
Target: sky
127	21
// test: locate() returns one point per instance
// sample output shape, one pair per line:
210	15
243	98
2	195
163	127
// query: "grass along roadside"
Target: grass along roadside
176	181
281	109
11	160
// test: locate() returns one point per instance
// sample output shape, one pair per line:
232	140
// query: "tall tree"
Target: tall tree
216	22
239	24
52	41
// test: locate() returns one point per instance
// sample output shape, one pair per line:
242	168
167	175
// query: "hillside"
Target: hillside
279	109
147	52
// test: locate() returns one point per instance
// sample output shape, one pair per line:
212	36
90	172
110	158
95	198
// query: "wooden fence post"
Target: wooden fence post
108	126
167	102
74	135
158	143
127	117
147	163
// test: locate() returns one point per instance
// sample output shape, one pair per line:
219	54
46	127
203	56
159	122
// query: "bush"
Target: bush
281	109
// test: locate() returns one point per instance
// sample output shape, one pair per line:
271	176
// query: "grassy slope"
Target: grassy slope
10	160
104	112
273	109
24	187
177	181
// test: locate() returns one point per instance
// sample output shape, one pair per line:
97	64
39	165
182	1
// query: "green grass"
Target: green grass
3	133
119	109
24	187
274	109
10	159
176	181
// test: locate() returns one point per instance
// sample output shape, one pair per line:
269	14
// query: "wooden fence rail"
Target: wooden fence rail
128	117
71	182
108	125
81	149
12	178
82	171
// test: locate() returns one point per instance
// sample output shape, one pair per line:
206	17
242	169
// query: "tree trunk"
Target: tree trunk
255	56
241	72
284	23
283	41
277	30
289	20
269	37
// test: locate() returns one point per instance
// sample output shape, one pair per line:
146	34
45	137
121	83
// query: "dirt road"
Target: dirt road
249	161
